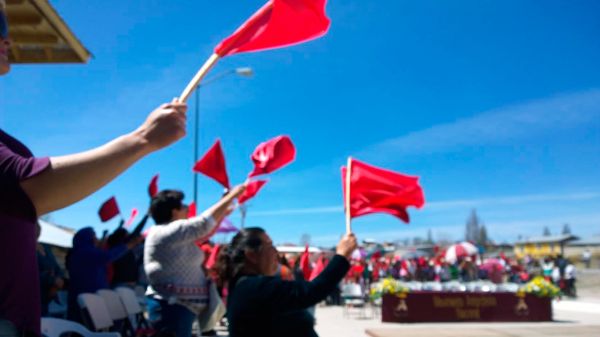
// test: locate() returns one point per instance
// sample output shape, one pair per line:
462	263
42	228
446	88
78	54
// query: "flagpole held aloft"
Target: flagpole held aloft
206	67
347	201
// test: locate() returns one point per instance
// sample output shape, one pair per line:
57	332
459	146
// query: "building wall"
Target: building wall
537	250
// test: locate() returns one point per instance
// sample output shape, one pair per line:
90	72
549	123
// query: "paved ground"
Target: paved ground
578	318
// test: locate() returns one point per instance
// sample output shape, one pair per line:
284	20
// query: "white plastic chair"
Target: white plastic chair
353	298
117	311
55	327
97	310
132	307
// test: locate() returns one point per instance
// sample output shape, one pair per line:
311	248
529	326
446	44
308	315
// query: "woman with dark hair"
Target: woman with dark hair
262	304
177	291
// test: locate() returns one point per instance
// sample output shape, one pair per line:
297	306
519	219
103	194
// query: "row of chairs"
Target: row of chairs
117	309
58	327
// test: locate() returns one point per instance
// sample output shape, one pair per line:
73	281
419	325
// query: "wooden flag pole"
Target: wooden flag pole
212	60
347	201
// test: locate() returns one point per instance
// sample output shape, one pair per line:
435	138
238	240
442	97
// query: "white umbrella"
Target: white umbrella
458	250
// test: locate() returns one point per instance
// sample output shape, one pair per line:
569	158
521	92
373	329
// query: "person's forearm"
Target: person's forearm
221	209
73	177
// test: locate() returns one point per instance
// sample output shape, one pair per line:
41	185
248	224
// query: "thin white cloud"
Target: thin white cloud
515	122
513	200
500	231
441	205
506	124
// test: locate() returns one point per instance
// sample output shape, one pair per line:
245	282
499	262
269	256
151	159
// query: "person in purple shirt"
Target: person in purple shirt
31	187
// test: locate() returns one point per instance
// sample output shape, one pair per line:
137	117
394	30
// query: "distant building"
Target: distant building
541	246
495	249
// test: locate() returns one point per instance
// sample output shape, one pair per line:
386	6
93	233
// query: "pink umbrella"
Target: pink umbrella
460	250
494	269
491	264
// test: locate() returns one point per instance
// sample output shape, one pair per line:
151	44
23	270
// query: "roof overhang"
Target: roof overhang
39	35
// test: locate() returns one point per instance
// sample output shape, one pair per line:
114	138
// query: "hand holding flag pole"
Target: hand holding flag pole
206	67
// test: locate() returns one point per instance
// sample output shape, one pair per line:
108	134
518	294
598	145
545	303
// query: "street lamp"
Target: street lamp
242	71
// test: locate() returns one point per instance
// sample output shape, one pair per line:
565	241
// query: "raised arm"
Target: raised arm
73	177
200	227
140	226
290	295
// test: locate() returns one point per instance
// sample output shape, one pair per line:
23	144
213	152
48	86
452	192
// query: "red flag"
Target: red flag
192	210
153	187
376	190
272	155
321	264
278	23
134	213
109	209
212	259
251	190
305	263
212	164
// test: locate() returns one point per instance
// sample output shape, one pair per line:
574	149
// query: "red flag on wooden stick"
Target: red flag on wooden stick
153	187
278	23
109	209
251	190
272	155
376	190
212	164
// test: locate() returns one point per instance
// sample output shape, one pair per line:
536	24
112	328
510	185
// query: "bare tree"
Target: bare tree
483	237
547	231
305	240
472	227
429	237
566	229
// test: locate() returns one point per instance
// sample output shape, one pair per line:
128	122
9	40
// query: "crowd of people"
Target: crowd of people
500	269
264	293
173	256
31	186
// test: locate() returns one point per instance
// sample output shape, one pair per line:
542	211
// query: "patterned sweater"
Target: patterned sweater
173	262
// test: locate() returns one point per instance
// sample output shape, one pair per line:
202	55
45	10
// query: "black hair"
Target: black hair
232	258
118	237
163	203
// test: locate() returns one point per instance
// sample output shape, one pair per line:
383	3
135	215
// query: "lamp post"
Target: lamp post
242	71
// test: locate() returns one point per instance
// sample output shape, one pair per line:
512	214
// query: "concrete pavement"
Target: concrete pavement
578	318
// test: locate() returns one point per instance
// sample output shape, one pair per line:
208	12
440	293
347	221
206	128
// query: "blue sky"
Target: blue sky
494	104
